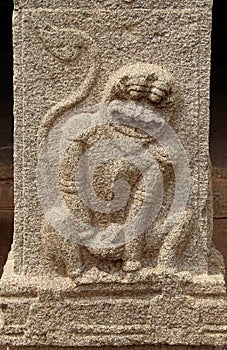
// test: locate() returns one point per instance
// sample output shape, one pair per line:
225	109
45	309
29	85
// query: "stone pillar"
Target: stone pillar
113	211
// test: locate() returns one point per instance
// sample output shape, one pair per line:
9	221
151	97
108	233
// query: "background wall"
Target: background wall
218	130
218	144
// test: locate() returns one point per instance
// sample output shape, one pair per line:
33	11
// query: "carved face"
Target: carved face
149	87
142	82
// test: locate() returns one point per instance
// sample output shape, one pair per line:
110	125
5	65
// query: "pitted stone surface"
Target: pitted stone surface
167	286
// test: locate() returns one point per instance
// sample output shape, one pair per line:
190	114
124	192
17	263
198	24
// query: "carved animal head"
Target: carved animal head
141	81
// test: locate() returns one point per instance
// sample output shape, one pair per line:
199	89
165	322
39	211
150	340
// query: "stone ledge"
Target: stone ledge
51	311
100	321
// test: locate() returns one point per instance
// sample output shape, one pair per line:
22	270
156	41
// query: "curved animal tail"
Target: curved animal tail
54	115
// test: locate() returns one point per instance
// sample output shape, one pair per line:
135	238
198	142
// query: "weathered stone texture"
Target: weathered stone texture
134	347
166	287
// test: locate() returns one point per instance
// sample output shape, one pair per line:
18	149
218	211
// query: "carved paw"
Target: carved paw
167	268
151	87
75	273
131	265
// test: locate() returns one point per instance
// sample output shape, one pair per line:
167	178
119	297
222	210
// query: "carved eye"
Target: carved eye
65	44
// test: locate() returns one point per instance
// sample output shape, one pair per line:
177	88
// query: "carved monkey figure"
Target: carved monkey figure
150	85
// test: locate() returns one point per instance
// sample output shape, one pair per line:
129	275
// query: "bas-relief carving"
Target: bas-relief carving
145	84
66	45
148	85
150	305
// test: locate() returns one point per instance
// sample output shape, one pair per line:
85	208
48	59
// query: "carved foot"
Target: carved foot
131	265
167	268
75	273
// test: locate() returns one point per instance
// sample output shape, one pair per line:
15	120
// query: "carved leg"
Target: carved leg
134	247
170	251
73	260
132	254
63	256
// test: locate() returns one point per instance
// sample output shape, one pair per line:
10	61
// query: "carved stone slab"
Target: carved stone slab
133	76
